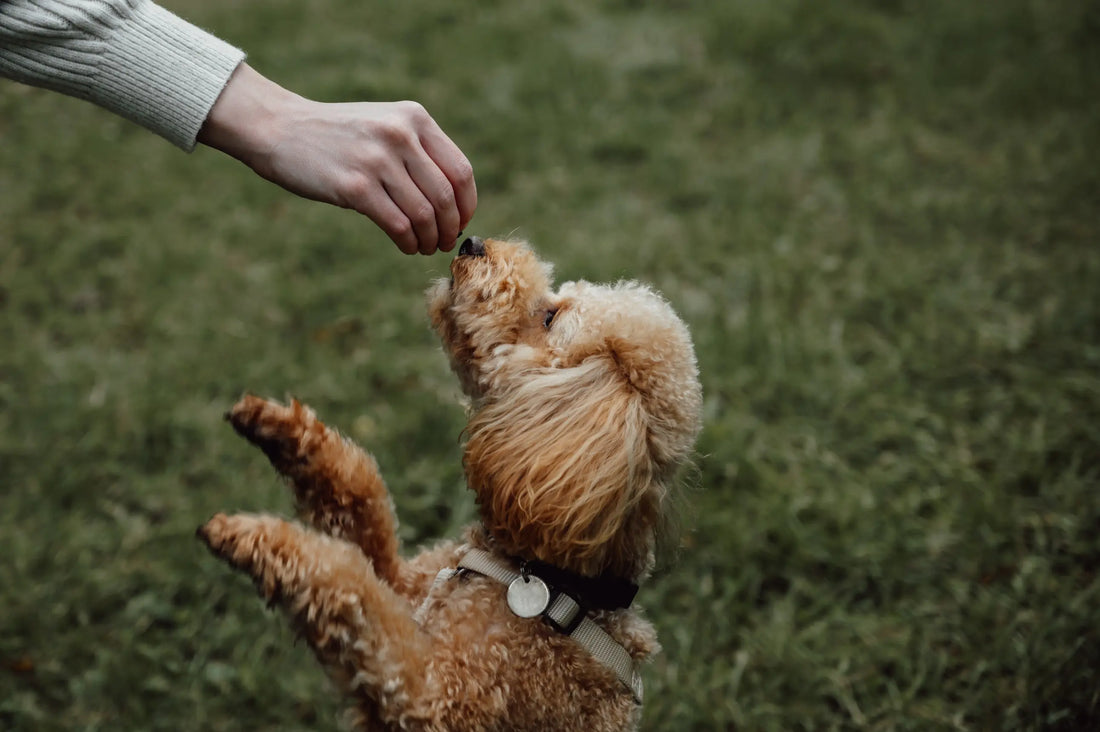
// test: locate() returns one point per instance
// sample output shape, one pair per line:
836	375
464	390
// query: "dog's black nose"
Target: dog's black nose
472	247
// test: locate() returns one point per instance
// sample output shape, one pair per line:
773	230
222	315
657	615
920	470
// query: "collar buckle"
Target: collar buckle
564	613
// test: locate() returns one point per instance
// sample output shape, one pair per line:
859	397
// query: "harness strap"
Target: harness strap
567	616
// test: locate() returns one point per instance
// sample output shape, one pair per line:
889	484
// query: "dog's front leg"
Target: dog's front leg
338	486
355	623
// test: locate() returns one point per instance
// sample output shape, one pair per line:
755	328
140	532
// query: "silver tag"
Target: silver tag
528	596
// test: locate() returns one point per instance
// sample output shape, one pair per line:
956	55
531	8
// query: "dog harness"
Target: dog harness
530	595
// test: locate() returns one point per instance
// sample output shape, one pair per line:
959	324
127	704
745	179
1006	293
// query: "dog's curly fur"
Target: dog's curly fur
584	402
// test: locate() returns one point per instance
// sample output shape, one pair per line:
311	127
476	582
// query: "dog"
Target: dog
584	404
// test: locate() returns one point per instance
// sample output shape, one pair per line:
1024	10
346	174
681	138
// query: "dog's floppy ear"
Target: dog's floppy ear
662	371
562	471
638	331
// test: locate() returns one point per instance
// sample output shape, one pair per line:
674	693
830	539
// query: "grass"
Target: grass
880	218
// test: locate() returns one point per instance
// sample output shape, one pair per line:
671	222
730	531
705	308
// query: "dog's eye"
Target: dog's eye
548	321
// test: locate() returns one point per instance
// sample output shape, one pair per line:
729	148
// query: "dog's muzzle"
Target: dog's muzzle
472	247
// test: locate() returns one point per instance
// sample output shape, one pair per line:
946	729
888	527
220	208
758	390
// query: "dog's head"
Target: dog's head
585	401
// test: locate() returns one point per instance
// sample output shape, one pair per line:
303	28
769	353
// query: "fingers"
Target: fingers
428	193
436	190
419	209
442	175
459	173
378	205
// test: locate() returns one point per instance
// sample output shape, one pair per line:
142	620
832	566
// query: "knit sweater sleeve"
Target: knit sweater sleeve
131	57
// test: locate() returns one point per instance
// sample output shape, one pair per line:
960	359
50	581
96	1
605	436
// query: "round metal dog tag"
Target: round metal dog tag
528	596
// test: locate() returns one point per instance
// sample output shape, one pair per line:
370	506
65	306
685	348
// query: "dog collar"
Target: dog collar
532	593
606	592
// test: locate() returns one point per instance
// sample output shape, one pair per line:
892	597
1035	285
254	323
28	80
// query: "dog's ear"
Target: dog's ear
636	329
661	370
562	470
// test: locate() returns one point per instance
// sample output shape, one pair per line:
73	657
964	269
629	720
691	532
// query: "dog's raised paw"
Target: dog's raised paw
275	428
214	532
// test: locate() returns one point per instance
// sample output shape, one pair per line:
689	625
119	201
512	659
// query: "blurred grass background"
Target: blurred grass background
880	218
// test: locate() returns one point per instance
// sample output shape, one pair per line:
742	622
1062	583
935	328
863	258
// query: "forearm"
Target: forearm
387	160
129	56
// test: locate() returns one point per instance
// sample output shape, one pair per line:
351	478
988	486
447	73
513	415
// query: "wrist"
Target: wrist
243	121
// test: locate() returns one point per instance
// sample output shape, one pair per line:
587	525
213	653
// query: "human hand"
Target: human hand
387	160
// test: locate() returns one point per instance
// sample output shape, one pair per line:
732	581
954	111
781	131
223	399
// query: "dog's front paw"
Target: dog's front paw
261	546
274	428
214	532
231	537
223	536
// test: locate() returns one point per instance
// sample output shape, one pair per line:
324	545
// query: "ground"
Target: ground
880	219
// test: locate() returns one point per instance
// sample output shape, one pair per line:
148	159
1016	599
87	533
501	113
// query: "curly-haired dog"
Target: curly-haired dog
584	403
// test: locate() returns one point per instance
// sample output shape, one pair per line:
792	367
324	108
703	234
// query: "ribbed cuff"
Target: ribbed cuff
163	73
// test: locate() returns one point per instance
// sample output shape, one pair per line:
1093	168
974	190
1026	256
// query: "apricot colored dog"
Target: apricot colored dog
584	403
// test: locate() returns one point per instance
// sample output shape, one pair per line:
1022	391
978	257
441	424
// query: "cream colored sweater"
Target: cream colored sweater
129	56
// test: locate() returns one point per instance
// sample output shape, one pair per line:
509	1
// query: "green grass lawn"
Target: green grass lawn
881	220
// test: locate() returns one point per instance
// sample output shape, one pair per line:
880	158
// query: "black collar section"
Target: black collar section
605	592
